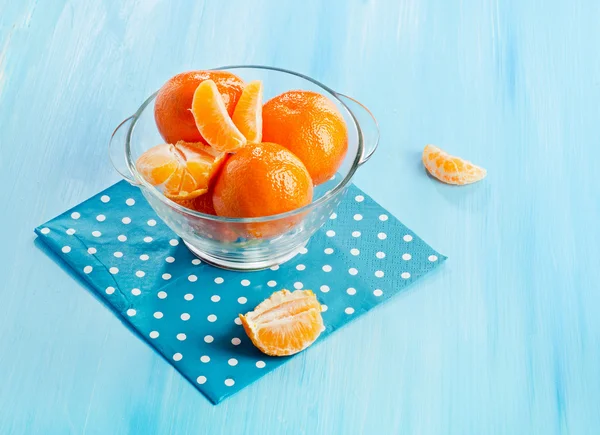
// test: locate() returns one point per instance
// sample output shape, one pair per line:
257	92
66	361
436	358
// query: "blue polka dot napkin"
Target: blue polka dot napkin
187	310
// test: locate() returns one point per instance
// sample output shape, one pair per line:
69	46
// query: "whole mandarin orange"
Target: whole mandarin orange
173	102
310	126
262	179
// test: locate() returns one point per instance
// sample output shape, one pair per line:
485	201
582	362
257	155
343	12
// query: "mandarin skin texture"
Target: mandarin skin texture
310	126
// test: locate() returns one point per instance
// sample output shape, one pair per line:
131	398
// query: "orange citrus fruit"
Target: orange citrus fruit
262	179
183	170
285	324
212	120
174	100
310	126
202	203
247	115
450	169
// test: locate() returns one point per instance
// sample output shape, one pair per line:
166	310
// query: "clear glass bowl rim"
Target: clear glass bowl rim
307	208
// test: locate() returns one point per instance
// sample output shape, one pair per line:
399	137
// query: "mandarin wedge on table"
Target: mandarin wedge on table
247	115
310	126
173	102
286	323
183	170
212	119
450	169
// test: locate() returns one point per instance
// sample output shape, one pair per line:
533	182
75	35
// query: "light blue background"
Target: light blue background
504	339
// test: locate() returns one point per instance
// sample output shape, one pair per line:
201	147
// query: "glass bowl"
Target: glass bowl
250	243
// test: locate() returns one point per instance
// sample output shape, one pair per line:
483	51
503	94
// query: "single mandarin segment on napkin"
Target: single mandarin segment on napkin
183	170
247	115
451	169
213	120
309	125
172	114
285	323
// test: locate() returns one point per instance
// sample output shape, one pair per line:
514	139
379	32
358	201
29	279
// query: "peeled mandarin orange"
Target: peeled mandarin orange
262	180
310	126
247	115
213	121
174	100
183	170
450	169
285	324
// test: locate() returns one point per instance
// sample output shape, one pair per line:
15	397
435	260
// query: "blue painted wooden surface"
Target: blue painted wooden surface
504	340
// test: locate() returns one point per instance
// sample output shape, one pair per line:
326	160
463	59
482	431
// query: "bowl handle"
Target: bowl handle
368	126
117	152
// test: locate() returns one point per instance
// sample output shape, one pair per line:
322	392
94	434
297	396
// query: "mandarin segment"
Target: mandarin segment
450	169
183	170
212	120
248	112
285	323
309	125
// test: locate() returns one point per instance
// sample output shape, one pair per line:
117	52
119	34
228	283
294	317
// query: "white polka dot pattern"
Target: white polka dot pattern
189	310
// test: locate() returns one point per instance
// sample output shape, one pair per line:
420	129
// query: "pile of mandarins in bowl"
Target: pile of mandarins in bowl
227	154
